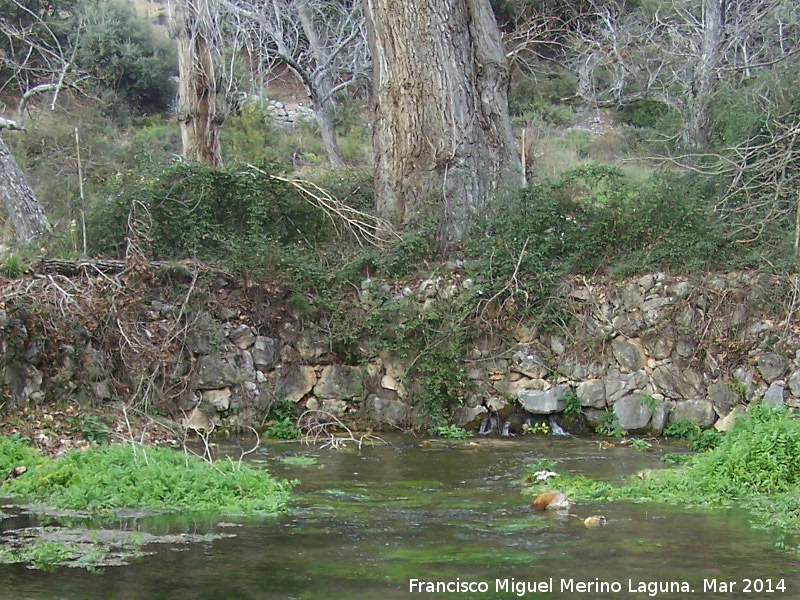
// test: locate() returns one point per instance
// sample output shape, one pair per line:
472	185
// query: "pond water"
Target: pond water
364	523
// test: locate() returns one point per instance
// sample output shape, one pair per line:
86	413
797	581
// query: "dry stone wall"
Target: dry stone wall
644	352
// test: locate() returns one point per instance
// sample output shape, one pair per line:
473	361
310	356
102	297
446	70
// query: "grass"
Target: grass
103	480
756	466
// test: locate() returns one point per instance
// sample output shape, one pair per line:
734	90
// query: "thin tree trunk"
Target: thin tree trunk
698	118
200	110
23	208
320	92
442	134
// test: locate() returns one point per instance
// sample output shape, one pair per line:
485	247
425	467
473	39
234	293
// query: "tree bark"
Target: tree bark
698	104
200	110
23	208
442	134
319	91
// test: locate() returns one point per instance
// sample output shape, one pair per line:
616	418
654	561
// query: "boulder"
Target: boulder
335	407
340	382
499	405
660	417
264	352
794	384
678	383
699	411
215	372
242	337
544	402
388	411
772	366
470	417
722	397
774	396
620	384
219	399
726	422
298	381
592	393
633	413
628	353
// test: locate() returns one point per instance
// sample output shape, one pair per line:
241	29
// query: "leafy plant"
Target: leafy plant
640	445
608	427
282	413
572	404
452	432
536	428
89	427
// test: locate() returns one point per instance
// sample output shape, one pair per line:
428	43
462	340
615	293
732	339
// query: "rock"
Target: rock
340	382
684	348
205	336
620	384
388	382
214	372
197	421
312	403
242	337
499	406
95	363
794	383
24	379
219	399
470	417
772	366
698	411
725	423
662	346
264	352
595	521
544	402
592	393
722	397
660	417
632	413
594	417
557	345
529	363
774	394
335	407
678	383
682	289
102	390
296	383
557	501
391	412
645	283
629	353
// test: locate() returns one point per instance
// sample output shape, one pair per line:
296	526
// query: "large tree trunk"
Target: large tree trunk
442	134
200	110
21	204
697	122
320	89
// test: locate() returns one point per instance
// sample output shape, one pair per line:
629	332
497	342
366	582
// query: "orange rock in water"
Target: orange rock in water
552	501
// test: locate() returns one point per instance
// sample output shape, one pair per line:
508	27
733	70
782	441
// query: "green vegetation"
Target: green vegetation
755	466
282	415
452	432
640	445
103	480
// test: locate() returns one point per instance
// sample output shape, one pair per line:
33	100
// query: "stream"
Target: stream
363	524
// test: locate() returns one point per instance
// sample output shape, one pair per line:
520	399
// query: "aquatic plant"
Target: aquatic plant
451	432
105	479
756	466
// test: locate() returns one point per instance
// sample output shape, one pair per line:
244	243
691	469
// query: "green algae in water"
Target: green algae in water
299	461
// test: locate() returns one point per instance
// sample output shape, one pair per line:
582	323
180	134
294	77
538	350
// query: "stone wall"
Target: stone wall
647	351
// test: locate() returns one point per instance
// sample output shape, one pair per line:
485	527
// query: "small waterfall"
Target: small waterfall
488	426
555	428
506	429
